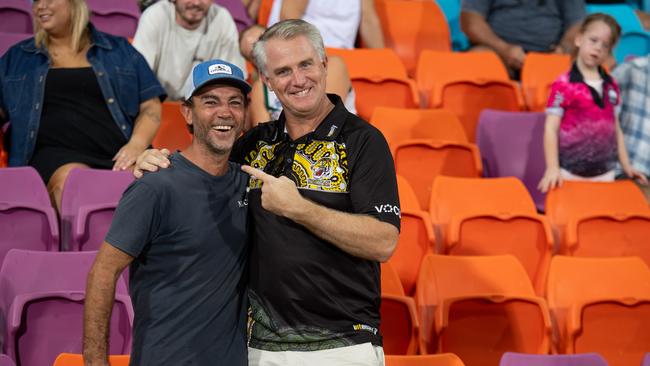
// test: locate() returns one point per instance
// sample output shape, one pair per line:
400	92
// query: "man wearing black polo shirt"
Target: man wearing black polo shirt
324	211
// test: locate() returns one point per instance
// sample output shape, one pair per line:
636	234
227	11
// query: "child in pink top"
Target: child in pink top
582	138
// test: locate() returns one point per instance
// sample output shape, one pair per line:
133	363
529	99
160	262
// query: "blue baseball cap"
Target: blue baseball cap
216	71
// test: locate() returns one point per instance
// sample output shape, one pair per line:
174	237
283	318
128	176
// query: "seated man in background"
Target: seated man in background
175	36
633	77
512	28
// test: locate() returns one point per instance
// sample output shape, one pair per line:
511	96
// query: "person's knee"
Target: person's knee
57	181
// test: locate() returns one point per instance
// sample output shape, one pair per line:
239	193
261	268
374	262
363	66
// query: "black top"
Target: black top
306	293
76	125
186	230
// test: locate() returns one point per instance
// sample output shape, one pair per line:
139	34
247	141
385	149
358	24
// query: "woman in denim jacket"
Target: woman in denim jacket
76	97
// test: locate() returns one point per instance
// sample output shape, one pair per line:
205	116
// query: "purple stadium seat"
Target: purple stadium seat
27	219
9	39
512	144
16	16
42	305
238	12
88	201
6	360
581	359
118	17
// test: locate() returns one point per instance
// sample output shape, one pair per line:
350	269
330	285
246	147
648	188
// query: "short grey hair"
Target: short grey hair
285	30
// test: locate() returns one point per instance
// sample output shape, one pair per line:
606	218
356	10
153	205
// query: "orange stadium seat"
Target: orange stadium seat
399	324
173	133
594	219
538	73
445	359
601	305
479	307
466	83
489	216
73	359
399	124
420	161
379	79
412	26
416	237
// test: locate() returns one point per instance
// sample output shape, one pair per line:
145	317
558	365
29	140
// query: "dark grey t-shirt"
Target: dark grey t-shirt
535	25
187	232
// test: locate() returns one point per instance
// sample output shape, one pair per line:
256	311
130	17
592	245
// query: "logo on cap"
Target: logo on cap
219	69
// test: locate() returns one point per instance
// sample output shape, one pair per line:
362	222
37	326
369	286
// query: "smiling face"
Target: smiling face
217	115
594	44
53	16
190	13
296	73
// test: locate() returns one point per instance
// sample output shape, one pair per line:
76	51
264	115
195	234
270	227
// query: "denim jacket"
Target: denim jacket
123	75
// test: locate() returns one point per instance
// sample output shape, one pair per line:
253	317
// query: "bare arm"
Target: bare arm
146	126
551	177
370	27
480	33
567	44
293	9
252	8
257	109
359	235
100	294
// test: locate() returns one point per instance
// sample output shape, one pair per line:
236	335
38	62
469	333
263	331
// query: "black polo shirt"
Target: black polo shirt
306	293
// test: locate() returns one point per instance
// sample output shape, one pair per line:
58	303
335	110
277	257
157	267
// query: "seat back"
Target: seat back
512	145
574	204
9	39
390	282
420	161
451	9
438	68
601	305
407	197
522	359
635	43
379	79
43	295
117	17
479	308
73	359
16	16
623	13
538	73
399	124
27	219
88	202
445	359
6	360
412	26
480	216
467	99
173	133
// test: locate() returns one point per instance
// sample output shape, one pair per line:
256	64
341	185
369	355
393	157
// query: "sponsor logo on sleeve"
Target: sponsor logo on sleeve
389	209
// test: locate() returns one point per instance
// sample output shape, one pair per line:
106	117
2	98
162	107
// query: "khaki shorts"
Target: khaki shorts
358	355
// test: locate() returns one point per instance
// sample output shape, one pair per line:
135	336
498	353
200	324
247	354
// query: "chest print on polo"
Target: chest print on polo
318	165
321	165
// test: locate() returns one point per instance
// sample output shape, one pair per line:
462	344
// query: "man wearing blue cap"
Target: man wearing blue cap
183	232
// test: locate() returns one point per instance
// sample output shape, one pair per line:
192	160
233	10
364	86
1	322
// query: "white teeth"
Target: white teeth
222	128
302	92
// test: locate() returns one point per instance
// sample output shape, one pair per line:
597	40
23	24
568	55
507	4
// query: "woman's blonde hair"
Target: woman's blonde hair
79	18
